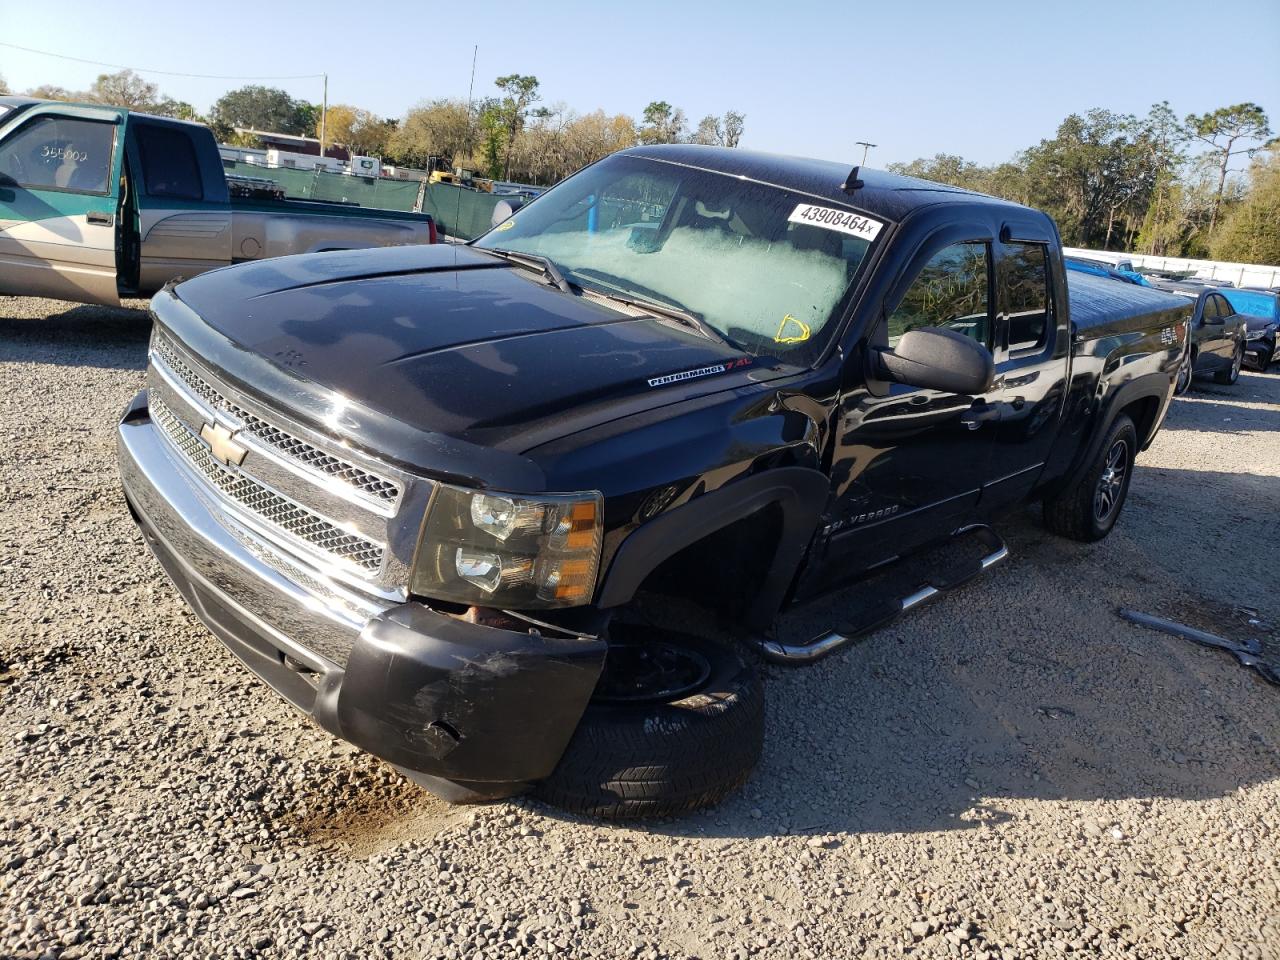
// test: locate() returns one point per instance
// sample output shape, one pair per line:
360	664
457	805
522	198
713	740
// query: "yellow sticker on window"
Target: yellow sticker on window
507	224
791	330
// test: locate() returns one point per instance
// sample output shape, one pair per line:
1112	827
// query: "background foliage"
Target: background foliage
1152	184
1205	185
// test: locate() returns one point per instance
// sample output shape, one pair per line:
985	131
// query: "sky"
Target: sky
978	79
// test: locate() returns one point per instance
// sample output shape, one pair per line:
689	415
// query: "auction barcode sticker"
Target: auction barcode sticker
830	218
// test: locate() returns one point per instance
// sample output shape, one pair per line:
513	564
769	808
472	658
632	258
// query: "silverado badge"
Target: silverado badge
224	449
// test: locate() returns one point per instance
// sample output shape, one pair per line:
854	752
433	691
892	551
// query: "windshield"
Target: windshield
766	268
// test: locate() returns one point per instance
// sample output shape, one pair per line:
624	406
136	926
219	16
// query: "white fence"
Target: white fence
1241	274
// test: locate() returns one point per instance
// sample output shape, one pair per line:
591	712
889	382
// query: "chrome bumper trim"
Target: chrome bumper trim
369	544
305	613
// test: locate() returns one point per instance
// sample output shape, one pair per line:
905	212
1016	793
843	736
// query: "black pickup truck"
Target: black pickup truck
418	490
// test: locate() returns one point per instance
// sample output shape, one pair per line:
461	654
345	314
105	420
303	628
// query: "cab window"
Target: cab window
952	291
60	153
1024	286
169	164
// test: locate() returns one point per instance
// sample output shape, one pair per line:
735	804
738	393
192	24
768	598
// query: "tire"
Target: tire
1232	373
1186	373
1076	512
657	759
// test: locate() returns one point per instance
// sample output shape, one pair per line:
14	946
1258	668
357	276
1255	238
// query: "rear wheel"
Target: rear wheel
1183	383
1232	373
1089	508
676	724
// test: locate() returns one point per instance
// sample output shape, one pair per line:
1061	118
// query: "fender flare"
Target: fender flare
801	492
1155	386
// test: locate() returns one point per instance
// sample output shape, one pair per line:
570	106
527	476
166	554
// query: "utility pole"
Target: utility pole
324	114
865	147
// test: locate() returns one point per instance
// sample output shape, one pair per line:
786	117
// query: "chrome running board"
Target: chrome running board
797	654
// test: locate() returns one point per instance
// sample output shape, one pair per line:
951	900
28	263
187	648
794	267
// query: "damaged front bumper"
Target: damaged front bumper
485	708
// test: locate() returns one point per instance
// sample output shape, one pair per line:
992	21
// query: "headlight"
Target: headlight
502	550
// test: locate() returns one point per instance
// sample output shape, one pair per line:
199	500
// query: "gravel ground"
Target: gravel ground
1011	772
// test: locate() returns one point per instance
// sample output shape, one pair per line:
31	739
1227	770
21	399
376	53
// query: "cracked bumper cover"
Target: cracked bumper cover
425	691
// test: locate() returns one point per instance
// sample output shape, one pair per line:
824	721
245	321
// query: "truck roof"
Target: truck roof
1098	301
23	103
888	194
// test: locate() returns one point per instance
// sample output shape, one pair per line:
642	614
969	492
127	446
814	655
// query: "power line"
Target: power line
164	73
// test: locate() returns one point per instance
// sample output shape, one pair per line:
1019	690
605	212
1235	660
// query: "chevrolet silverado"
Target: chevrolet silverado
418	491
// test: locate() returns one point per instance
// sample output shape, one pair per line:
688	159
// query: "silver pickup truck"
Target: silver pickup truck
99	203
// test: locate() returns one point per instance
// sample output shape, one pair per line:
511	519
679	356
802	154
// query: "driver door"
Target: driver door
59	200
1222	343
909	463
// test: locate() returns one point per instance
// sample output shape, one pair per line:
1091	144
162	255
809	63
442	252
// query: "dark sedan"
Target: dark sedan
1218	337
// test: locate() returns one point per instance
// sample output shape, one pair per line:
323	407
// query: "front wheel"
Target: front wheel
676	724
1089	508
1232	373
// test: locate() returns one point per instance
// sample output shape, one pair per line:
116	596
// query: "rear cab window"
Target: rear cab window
170	167
1026	297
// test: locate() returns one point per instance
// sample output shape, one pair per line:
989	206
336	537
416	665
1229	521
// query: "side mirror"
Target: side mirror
939	359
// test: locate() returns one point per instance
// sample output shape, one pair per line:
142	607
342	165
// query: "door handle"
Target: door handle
7	196
101	219
979	414
1004	381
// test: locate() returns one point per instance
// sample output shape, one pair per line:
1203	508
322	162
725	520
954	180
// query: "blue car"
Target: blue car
1261	312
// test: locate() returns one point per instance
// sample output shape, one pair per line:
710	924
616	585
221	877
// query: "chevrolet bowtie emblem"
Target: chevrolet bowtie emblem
221	445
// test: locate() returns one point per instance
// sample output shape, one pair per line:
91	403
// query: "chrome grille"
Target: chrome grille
368	485
265	504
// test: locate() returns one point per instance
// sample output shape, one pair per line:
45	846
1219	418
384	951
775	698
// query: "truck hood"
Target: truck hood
454	341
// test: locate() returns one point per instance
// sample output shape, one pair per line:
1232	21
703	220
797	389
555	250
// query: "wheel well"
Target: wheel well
1143	413
725	570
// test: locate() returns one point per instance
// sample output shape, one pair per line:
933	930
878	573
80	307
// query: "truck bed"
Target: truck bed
320	208
1102	307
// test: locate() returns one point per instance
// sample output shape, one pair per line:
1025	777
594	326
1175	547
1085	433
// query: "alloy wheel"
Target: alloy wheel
1106	497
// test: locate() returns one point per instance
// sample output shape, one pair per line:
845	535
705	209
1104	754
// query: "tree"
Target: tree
433	128
733	124
1222	130
558	142
514	108
1089	175
709	132
178	109
124	89
1163	137
4	87
1251	231
662	123
943	168
262	108
360	130
49	91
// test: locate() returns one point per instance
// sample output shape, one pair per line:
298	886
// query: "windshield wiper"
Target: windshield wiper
681	315
543	264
